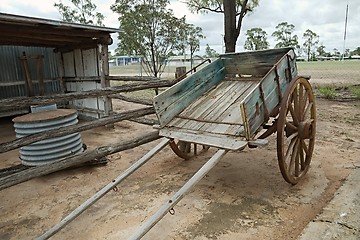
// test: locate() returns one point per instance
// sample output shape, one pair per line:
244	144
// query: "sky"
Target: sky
324	17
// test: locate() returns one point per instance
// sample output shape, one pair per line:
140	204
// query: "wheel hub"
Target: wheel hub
305	129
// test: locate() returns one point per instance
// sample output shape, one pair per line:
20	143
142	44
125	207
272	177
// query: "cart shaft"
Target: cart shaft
179	195
104	190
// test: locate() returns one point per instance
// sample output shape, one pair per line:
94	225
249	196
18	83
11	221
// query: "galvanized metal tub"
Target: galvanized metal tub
48	150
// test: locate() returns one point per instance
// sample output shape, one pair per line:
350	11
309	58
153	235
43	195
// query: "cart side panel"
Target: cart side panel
253	107
256	63
174	100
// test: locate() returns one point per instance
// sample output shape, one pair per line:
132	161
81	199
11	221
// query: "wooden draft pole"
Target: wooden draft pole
103	191
168	206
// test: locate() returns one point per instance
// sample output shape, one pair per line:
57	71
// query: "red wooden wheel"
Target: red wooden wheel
296	129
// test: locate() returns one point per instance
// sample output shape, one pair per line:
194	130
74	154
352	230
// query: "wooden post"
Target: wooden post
103	72
180	72
40	73
27	76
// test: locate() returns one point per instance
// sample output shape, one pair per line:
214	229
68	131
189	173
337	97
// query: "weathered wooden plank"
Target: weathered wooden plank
254	105
206	103
79	67
216	128
178	97
90	63
209	139
69	64
233	114
253	63
219	106
186	86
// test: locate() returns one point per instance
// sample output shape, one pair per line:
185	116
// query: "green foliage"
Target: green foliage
82	11
256	39
284	35
194	35
355	90
328	92
321	51
234	12
355	52
210	53
204	6
150	30
311	40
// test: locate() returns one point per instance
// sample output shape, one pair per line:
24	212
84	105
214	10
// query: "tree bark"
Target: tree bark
64	163
62	131
230	25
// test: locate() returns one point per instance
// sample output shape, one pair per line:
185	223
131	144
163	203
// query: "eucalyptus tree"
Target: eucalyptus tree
256	39
193	40
210	53
284	35
234	12
311	39
150	30
81	11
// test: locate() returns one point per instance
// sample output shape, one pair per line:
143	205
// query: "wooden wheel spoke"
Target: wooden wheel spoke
304	147
297	160
290	149
292	136
307	110
293	114
302	159
301	97
291	126
293	156
303	106
296	102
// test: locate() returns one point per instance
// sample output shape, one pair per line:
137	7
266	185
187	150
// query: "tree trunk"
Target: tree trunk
230	25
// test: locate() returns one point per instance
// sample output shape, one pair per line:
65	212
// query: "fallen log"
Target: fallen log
64	163
15	102
62	131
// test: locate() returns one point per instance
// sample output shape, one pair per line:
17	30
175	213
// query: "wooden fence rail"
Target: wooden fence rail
11	103
67	162
62	131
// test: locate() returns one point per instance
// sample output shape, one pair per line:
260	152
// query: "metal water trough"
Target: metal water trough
48	150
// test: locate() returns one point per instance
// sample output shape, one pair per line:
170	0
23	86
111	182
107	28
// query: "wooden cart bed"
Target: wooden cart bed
224	104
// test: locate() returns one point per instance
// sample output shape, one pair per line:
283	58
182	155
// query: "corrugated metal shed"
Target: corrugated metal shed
30	31
68	50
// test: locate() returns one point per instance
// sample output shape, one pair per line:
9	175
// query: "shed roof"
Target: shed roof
30	31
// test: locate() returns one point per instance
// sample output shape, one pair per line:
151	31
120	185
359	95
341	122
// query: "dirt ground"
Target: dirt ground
243	197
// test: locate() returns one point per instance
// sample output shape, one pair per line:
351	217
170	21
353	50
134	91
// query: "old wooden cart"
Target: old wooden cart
236	101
